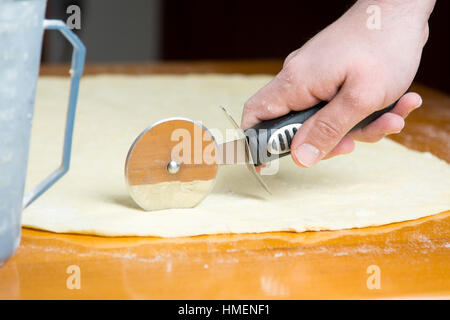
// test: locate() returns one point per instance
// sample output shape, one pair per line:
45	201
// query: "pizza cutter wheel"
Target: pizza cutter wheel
171	164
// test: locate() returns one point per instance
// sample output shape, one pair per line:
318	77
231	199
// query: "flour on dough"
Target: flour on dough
182	194
377	184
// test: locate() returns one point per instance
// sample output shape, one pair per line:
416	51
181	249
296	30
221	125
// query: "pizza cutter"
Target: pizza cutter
174	162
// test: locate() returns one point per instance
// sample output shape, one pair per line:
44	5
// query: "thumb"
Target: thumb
321	133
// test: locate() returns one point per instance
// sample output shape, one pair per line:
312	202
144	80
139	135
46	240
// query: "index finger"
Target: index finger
281	95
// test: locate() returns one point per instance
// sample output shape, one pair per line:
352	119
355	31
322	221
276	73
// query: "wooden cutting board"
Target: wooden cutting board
402	260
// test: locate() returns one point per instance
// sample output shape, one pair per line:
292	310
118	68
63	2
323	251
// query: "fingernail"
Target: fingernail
420	103
307	154
417	106
398	130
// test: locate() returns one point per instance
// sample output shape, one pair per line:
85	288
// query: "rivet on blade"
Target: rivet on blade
173	167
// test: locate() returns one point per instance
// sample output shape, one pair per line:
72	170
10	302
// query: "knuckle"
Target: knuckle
290	82
290	57
247	106
288	73
251	104
327	129
355	98
247	111
287	60
363	101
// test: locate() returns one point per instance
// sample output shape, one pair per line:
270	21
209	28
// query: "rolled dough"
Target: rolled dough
377	184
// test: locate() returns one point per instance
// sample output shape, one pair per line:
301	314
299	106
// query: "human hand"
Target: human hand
356	69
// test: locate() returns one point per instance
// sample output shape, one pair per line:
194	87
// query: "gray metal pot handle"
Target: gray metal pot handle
78	59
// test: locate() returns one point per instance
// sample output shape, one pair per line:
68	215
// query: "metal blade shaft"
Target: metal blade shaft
232	152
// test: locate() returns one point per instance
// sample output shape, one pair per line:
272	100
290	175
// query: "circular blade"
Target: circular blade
171	164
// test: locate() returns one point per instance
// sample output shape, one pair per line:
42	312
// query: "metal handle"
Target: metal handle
78	58
272	139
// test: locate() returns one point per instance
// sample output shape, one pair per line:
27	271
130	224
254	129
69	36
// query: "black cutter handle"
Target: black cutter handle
272	139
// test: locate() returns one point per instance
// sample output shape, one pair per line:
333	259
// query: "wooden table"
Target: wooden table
412	259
